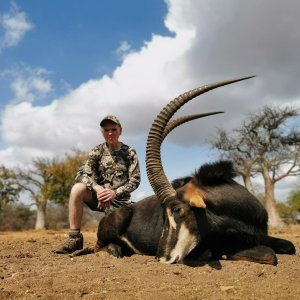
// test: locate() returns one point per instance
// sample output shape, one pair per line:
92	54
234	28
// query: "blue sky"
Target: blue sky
78	40
64	64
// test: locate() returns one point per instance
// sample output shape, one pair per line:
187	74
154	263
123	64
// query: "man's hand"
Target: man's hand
105	196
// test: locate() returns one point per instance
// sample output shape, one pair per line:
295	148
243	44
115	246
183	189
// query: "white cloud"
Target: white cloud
15	25
123	49
28	84
28	89
72	121
23	154
211	41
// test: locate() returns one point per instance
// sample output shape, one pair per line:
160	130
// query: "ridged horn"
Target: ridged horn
156	176
181	120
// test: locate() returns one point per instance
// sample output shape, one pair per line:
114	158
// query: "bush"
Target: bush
58	217
16	217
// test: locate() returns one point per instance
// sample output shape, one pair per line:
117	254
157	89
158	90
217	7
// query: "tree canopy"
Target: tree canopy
62	174
9	187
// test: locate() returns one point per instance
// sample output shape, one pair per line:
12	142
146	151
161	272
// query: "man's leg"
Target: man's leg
78	196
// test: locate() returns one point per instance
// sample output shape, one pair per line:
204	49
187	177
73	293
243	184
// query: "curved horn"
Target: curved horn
181	120
157	178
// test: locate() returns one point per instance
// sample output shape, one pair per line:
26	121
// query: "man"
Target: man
104	183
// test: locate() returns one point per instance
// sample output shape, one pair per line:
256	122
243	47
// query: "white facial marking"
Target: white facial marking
186	242
171	219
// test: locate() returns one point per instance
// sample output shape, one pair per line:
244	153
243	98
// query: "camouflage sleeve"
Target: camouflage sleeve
86	173
134	176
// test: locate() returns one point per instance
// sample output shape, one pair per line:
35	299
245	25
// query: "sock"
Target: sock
74	231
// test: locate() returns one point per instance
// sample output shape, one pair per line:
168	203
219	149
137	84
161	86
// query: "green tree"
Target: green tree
290	209
9	187
62	177
264	145
294	201
285	211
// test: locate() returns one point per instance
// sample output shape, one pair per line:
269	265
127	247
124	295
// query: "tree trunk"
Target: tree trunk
248	183
274	218
40	223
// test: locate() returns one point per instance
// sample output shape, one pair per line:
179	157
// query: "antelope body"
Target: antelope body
205	213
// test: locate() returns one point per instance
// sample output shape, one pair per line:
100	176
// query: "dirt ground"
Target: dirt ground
28	270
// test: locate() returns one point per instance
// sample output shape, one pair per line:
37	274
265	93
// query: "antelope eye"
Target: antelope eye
176	209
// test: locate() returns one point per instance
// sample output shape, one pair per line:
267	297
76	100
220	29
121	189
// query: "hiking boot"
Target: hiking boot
75	242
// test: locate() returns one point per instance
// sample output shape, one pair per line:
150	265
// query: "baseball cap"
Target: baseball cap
111	118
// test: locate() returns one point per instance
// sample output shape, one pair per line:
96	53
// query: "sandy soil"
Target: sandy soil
28	270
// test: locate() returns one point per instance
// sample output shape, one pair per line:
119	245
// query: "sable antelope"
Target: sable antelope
207	211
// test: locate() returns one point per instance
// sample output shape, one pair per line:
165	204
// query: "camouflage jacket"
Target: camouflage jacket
118	170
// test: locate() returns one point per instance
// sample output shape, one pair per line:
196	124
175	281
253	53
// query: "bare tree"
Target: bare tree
34	181
233	148
266	145
50	180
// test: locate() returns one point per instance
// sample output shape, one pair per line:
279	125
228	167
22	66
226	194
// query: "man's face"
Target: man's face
111	132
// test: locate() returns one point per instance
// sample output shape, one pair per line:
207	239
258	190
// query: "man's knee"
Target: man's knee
80	191
78	188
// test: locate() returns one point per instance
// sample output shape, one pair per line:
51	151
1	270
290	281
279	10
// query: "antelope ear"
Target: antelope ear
194	195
